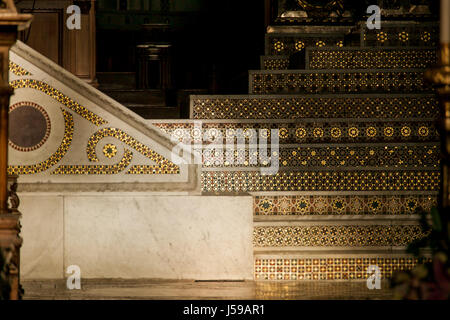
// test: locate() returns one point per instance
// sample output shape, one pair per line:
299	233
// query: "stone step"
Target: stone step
343	106
330	265
401	33
373	181
319	157
370	58
309	131
274	62
337	81
329	205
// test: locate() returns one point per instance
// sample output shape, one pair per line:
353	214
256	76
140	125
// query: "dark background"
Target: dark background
214	46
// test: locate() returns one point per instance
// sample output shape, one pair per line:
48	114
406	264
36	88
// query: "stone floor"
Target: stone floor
187	290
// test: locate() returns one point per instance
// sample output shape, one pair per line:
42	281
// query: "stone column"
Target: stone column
10	23
440	76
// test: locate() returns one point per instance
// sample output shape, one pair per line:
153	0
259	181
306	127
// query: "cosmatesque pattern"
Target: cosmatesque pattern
371	58
277	268
389	157
402	35
54	158
336	235
286	45
60	97
338	82
414	106
96	169
243	181
18	70
342	205
274	62
311	131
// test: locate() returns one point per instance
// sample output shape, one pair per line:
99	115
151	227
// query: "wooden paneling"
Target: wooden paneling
45	34
72	49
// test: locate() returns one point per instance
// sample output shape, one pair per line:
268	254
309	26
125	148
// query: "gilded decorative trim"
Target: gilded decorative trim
163	166
97	169
342	205
394	107
336	236
278	268
18	70
47	121
251	181
60	97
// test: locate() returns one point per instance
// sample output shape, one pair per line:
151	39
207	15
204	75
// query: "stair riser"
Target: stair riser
338	81
345	106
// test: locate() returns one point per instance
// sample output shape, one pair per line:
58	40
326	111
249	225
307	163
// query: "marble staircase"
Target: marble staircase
358	151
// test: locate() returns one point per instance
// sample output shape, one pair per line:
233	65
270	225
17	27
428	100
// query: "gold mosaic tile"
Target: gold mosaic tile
338	82
330	268
336	235
315	107
372	59
96	169
60	97
18	70
243	181
342	205
54	158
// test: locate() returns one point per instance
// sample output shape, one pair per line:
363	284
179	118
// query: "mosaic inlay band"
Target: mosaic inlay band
330	268
163	166
389	157
47	129
54	158
336	236
314	131
337	82
239	181
422	34
274	62
289	44
97	169
387	58
18	70
60	97
392	107
342	205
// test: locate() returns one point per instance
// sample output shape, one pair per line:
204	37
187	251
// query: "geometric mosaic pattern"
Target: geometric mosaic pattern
310	131
330	268
386	58
278	44
243	181
163	166
54	158
274	62
337	82
58	96
263	107
336	235
18	70
342	205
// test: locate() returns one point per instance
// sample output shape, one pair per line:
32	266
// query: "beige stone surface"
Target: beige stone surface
119	236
